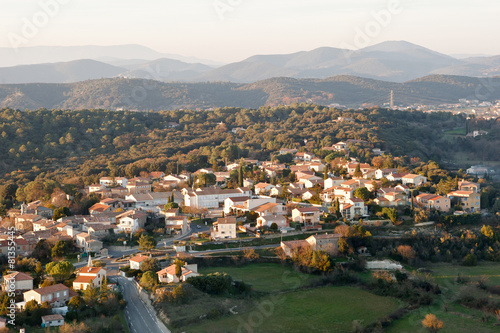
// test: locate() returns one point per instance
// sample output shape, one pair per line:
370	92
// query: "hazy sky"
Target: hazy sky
231	30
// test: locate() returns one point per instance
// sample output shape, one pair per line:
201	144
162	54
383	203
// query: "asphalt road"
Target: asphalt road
139	317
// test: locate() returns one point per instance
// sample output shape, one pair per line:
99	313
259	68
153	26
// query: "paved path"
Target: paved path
140	317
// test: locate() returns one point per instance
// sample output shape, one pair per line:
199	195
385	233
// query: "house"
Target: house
167	275
233	204
468	186
176	224
340	146
351	167
213	197
22	247
415	180
56	295
325	242
85	242
303	156
52	320
268	220
153	199
138	187
469	200
24	222
135	262
100	230
353	208
308	194
381	173
99	208
89	277
43	225
17	281
395	177
263	188
36	207
131	221
306	215
175	180
224	228
284	151
333	181
430	201
270	209
156	175
95	187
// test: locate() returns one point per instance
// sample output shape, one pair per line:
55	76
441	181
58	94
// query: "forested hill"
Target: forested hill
88	144
138	94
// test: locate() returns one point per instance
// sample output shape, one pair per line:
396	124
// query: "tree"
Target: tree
391	213
104	291
406	251
60	271
91	296
146	243
357	171
273	226
170	205
488	232
60	249
240	176
432	324
362	193
150	264
148	280
178	267
344	246
61	212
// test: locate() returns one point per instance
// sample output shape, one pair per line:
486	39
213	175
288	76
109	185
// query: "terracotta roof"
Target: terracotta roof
263	185
411	176
52	317
226	220
307	209
265	206
90	270
50	289
99	207
84	279
295	244
461	193
17	276
138	258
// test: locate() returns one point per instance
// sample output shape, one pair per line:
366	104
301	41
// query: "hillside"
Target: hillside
138	94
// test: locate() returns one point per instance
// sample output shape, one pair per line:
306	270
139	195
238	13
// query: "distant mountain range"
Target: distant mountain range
389	61
139	94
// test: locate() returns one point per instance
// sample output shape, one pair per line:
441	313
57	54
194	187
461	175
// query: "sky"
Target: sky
231	30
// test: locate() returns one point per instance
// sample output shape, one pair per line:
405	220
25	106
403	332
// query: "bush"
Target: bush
469	260
215	283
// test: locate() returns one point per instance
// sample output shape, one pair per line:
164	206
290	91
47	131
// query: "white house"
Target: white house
413	179
52	320
135	262
17	281
167	275
263	188
213	197
89	276
131	221
224	228
306	215
352	208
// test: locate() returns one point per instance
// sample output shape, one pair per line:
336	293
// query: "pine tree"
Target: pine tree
240	176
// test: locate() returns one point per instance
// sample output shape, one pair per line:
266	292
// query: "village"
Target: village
195	213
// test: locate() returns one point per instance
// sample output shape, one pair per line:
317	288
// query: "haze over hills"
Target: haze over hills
395	61
138	94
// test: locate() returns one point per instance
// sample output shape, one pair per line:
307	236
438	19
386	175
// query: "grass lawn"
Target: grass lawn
328	309
458	318
264	277
445	271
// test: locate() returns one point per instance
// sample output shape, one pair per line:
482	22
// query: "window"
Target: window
57	295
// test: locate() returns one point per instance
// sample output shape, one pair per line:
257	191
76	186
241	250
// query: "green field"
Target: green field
456	131
327	309
443	272
264	277
458	318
